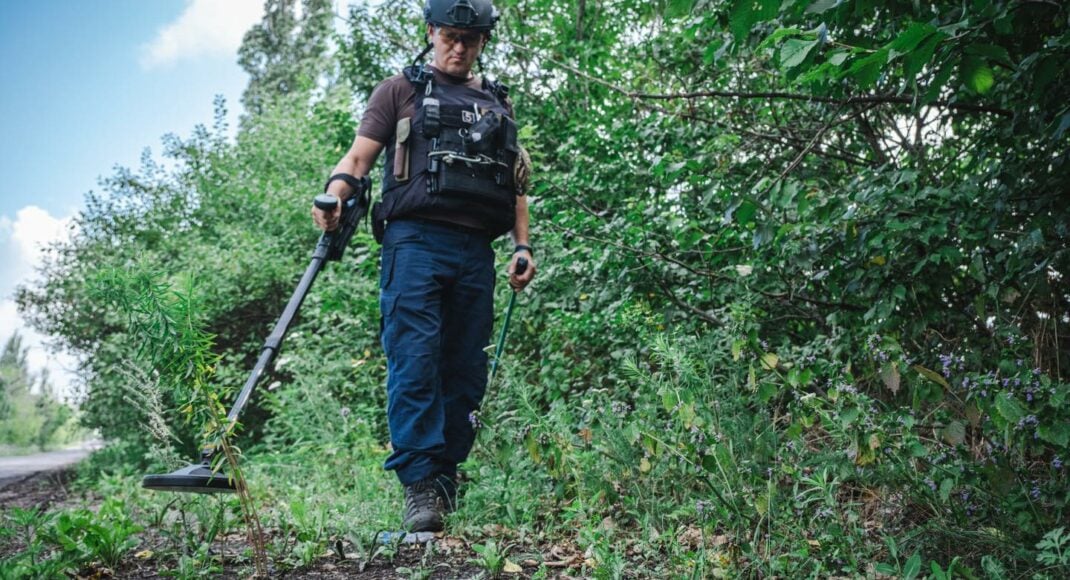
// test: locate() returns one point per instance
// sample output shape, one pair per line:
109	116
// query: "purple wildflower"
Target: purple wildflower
474	419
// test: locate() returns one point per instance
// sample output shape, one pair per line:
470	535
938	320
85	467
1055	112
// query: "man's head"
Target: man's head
459	29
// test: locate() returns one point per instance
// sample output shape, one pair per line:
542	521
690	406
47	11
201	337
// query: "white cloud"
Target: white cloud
205	27
35	228
21	243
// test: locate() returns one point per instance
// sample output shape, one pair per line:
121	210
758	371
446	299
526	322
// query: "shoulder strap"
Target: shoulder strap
420	76
499	89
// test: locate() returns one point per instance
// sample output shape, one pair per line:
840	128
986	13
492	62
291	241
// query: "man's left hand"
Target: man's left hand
519	282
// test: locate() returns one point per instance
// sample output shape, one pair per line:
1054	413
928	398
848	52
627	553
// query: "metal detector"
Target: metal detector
199	477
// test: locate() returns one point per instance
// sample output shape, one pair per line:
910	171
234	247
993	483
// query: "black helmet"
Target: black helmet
470	14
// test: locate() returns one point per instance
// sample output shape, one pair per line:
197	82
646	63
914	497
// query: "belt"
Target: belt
444	224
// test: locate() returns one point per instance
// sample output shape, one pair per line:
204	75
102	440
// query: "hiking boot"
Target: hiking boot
423	507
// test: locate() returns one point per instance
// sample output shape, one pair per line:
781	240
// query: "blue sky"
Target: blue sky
88	86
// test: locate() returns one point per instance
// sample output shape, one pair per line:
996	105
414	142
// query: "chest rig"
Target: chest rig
455	155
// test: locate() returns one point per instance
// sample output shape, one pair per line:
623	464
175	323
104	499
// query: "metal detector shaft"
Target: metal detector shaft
200	477
330	248
521	267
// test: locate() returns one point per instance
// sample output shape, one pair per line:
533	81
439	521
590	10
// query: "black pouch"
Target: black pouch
378	223
480	138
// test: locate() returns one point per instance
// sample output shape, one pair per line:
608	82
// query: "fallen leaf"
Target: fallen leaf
690	537
511	567
144	555
890	376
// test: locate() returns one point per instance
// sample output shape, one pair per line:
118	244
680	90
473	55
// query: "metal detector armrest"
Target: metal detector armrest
354	208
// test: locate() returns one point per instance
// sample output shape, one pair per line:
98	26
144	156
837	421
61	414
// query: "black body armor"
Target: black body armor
456	155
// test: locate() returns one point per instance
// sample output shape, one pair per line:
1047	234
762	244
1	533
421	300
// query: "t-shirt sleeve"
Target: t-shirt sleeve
380	116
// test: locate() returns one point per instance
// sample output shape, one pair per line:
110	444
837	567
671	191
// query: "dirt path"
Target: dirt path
19	468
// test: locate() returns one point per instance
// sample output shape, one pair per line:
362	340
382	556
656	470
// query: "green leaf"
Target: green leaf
1010	409
916	59
932	376
794	52
976	74
945	488
848	416
746	13
1058	434
777	34
991	52
911	37
886	569
912	567
822	5
838	58
766	391
867	70
954	433
745	213
678	8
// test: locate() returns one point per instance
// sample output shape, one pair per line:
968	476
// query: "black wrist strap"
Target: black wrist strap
349	179
521	247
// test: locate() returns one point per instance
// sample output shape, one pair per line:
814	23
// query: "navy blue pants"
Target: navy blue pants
437	304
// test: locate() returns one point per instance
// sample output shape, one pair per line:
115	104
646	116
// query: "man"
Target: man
451	184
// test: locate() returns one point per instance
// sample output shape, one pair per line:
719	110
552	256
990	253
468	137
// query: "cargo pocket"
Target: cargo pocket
401	149
387	304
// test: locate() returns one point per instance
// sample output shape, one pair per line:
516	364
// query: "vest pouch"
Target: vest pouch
474	184
401	149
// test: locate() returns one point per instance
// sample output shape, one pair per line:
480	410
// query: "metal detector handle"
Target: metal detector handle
326	201
521	266
333	244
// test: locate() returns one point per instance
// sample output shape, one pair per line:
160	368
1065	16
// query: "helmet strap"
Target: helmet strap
420	57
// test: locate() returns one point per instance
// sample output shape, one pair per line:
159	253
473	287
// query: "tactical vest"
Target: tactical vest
455	155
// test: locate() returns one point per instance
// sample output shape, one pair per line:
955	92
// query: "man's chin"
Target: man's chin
457	69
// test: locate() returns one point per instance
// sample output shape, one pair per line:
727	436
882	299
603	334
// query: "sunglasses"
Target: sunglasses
468	39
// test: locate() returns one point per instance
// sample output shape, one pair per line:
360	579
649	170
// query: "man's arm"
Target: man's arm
521	237
358	162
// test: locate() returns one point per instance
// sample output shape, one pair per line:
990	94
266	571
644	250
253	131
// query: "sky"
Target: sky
86	87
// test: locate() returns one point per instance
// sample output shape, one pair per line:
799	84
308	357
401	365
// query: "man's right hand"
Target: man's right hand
327	220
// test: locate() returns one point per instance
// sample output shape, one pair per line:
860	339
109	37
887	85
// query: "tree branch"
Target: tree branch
861	99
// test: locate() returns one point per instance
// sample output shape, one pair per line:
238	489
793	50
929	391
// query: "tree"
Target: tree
284	53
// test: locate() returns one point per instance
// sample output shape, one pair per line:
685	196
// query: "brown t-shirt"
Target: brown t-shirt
394	99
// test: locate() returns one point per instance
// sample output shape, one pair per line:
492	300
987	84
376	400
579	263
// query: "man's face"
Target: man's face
456	50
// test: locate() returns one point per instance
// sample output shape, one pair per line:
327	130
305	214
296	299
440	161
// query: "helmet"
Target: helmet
469	14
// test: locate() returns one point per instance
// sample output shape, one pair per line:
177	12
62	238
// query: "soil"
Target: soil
449	557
